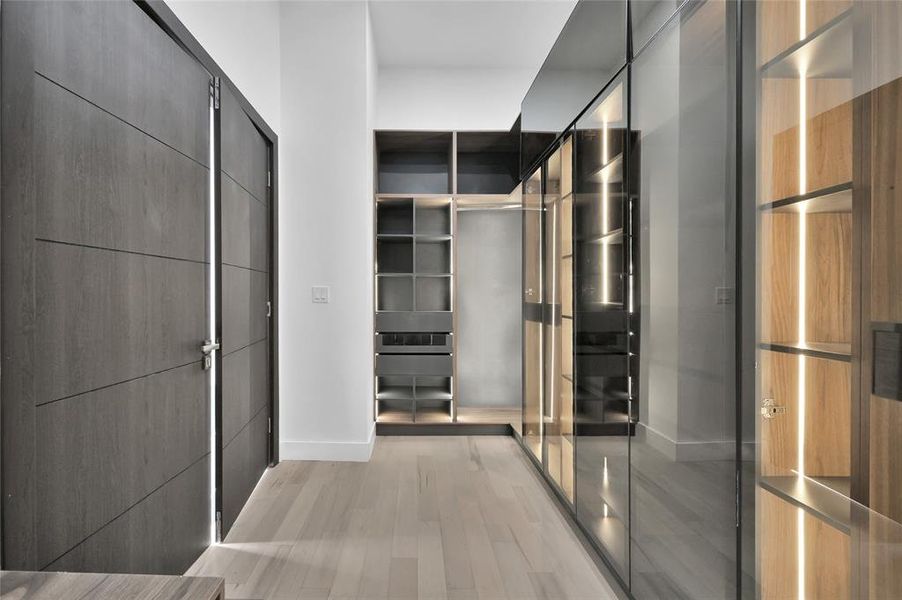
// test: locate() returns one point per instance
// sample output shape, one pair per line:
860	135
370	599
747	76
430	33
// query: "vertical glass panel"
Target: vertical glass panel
682	458
647	17
602	321
828	487
533	365
558	326
588	52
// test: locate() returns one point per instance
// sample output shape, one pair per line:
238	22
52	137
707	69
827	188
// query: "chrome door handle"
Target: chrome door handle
209	346
207	349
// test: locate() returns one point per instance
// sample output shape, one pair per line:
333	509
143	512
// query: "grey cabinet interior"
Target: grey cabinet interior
422	180
488	307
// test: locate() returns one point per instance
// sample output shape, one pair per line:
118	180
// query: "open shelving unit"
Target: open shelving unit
413	271
420	176
806	203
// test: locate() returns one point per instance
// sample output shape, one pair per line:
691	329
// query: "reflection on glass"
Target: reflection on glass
533	365
648	16
558	259
828	203
589	51
683	518
602	238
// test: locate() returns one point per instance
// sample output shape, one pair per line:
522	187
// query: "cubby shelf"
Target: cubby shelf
833	199
395	392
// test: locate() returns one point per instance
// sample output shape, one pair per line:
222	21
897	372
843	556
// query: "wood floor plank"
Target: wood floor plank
403	578
430	562
432	518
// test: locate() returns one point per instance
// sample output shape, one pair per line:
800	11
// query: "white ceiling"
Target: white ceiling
466	33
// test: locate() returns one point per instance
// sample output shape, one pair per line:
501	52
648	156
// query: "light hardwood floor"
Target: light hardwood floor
426	517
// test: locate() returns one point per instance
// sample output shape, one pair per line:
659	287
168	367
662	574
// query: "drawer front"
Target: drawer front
413	364
413	343
387	322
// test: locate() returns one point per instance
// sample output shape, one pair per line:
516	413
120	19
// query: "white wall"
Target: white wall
242	36
325	237
450	98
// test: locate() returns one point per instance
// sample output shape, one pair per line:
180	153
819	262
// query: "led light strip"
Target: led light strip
605	225
802	298
211	325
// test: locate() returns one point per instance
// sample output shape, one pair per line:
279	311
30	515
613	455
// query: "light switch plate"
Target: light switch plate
320	294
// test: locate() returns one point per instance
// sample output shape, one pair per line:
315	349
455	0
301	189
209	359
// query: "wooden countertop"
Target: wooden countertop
101	586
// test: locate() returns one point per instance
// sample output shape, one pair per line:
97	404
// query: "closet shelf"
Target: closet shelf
611	171
395	392
433	394
432	415
833	199
826	498
393	415
615	236
825	54
827	350
389	197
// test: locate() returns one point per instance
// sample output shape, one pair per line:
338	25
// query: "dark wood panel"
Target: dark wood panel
107	184
99	453
163	534
114	55
245	387
245	228
105	317
17	283
244	296
244	459
244	150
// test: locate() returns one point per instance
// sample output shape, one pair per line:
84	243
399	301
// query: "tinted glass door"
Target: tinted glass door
533	365
602	289
829	211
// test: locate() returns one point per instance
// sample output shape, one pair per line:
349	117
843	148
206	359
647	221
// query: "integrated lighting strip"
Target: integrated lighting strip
605	225
802	300
211	312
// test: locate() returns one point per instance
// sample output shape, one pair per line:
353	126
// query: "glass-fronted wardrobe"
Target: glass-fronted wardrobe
712	296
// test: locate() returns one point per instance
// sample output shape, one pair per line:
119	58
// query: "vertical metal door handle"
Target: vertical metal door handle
207	349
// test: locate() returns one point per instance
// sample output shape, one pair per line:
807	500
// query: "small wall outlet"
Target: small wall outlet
320	294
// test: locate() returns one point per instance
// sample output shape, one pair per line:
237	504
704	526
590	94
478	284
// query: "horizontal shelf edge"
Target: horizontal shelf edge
814	350
839	191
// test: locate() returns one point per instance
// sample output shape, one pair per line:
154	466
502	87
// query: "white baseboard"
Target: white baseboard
329	451
686	451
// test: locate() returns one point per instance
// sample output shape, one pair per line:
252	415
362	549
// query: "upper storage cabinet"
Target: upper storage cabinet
413	162
590	50
488	162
